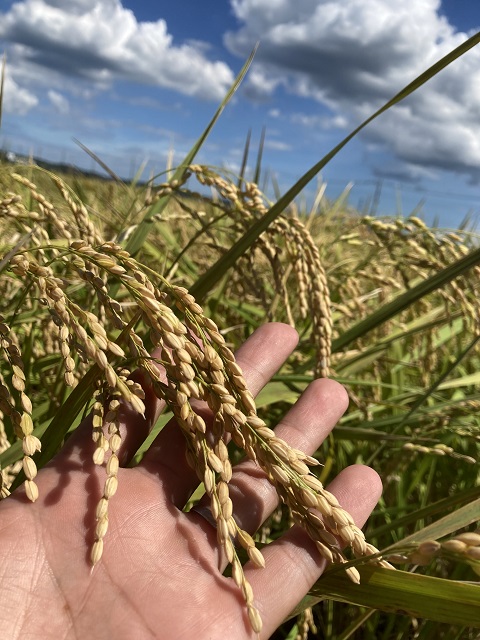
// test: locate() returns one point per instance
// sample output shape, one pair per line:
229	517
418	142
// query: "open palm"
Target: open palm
160	573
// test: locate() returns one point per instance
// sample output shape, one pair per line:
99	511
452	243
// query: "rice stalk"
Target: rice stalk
198	365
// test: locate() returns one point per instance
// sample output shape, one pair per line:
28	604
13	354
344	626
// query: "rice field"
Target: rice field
95	274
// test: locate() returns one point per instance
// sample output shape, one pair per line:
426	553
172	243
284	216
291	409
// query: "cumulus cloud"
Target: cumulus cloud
352	56
260	85
15	99
101	41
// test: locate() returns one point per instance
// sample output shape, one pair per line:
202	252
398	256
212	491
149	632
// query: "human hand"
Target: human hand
159	574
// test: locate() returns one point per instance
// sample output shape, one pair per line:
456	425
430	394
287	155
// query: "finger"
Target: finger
304	427
259	357
293	559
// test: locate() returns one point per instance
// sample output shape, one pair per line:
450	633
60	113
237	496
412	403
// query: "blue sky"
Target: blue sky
133	79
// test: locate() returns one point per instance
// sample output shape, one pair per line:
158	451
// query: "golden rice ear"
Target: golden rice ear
197	362
286	246
199	365
22	419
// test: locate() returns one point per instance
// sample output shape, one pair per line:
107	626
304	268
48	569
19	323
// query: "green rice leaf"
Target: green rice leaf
403	301
460	518
216	271
402	593
140	234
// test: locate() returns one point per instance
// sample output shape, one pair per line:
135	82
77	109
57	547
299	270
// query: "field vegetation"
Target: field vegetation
94	273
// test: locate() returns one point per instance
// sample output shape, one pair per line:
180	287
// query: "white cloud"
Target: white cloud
352	56
60	103
261	84
102	41
15	99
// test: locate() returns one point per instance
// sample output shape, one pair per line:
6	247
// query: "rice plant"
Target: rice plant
101	280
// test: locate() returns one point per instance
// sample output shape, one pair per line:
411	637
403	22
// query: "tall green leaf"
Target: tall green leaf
460	518
215	272
243	166
140	234
403	593
391	309
258	164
